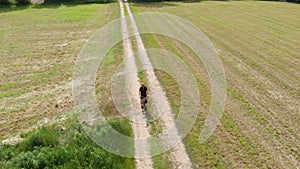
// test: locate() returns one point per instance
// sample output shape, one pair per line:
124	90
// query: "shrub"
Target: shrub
122	126
95	1
293	1
48	147
43	137
58	1
78	1
23	2
4	2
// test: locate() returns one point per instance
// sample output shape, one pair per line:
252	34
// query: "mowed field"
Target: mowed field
258	43
39	46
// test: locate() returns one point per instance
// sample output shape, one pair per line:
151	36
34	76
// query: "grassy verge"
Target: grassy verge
63	147
104	81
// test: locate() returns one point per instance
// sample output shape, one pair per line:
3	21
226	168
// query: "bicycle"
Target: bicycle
144	104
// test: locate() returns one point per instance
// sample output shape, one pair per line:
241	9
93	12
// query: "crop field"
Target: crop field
257	42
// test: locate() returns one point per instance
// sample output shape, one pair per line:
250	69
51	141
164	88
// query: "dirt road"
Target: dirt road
179	156
139	123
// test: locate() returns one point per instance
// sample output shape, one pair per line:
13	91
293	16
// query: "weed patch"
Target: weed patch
51	147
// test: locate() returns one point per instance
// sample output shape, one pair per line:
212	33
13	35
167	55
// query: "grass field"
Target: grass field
39	45
258	43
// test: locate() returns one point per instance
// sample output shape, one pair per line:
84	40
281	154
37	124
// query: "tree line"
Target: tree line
26	2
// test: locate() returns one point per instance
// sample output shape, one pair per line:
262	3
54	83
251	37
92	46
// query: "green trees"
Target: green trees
23	2
4	2
293	1
26	2
10	2
78	1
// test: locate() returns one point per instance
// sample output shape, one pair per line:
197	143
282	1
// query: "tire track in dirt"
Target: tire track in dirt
140	131
179	156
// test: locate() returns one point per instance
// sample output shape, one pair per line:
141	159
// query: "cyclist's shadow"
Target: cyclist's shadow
148	116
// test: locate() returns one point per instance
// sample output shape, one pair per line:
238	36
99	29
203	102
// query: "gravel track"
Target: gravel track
139	123
179	156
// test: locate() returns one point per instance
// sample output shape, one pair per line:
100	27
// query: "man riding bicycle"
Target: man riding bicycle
143	94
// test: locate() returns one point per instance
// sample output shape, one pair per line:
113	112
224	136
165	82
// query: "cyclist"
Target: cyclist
143	94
